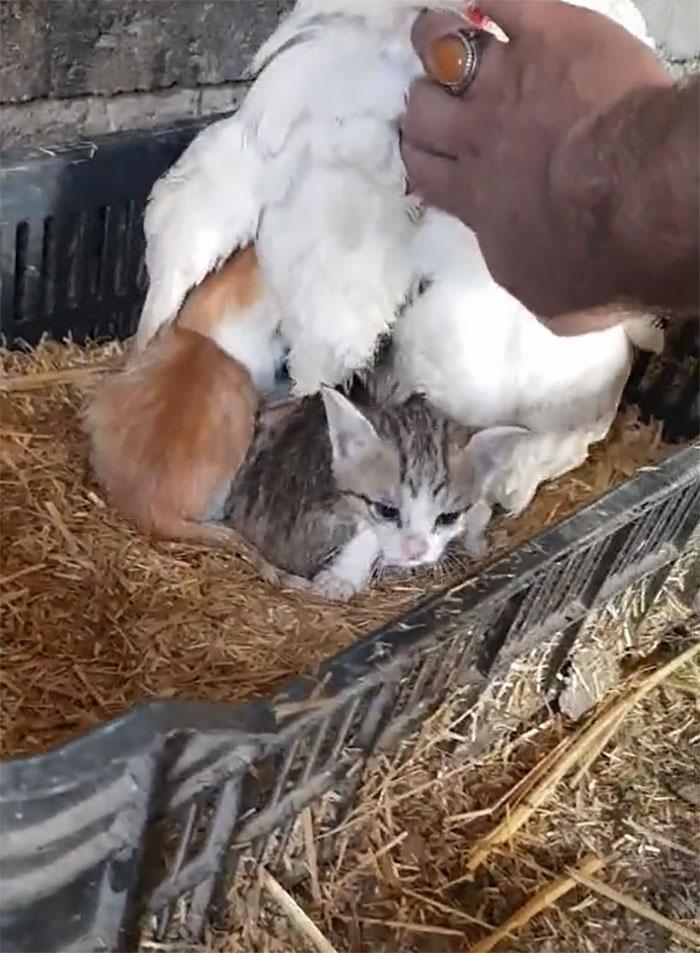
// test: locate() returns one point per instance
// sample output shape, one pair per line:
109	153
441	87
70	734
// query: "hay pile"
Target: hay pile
96	618
565	837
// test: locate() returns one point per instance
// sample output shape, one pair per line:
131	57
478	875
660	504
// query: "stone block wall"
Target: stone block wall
73	69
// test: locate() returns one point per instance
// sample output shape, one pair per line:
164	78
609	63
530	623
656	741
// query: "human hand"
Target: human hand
506	156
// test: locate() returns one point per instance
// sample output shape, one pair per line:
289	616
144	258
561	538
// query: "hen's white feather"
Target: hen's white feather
334	230
198	213
484	359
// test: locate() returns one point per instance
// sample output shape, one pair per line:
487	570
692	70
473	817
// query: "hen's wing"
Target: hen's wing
310	169
208	204
198	213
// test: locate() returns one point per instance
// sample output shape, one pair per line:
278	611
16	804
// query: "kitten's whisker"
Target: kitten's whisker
378	572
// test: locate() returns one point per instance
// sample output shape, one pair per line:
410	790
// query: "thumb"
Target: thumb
584	322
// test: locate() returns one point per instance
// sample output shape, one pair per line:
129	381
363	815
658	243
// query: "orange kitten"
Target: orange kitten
170	431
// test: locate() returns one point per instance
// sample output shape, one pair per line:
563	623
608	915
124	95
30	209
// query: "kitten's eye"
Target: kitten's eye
448	519
385	511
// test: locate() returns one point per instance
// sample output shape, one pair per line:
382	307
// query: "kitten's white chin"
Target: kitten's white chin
402	562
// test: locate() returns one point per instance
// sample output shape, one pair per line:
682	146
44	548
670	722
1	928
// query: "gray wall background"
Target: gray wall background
72	69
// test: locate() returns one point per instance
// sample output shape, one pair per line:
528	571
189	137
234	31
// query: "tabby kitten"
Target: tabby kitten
331	492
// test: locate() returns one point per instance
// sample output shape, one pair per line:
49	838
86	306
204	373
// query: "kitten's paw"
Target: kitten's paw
269	573
474	537
288	580
516	499
332	587
475	544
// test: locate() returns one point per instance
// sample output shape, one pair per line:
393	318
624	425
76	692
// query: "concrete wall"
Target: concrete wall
72	69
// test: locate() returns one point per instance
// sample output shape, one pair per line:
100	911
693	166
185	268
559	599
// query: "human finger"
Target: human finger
431	177
432	120
583	322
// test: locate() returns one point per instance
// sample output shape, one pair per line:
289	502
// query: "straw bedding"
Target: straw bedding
96	618
560	836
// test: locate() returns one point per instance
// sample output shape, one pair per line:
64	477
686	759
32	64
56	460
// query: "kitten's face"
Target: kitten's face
404	474
415	523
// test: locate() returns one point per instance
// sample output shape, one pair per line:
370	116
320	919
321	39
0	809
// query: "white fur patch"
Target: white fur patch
351	570
252	338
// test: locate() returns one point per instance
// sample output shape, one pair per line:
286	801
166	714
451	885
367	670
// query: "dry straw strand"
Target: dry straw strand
540	901
407	925
299	920
519	790
636	906
596	748
68	375
579	748
444	908
373	856
658	838
307	821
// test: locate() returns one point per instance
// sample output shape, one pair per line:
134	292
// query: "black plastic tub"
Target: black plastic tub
113	829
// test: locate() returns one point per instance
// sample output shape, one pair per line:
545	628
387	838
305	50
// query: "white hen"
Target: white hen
309	169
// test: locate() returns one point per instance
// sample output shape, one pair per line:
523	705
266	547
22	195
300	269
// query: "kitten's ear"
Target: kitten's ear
491	452
350	431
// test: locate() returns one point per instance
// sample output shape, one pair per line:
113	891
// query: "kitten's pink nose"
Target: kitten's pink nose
414	546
